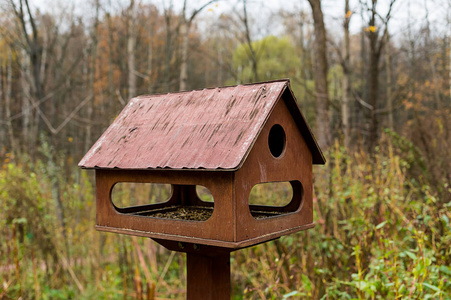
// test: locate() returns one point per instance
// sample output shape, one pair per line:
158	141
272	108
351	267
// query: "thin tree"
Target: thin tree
131	41
93	50
321	86
169	49
31	70
109	26
377	41
389	82
253	54
185	27
345	104
2	123
304	54
9	72
449	47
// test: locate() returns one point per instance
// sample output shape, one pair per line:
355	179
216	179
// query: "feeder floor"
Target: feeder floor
194	213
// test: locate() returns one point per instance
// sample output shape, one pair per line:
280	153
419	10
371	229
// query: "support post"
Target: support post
208	277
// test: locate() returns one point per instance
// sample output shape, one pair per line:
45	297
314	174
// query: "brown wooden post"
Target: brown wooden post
208	277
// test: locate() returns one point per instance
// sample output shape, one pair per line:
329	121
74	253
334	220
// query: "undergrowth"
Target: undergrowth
381	232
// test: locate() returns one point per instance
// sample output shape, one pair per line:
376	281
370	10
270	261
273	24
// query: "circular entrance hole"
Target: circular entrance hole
276	140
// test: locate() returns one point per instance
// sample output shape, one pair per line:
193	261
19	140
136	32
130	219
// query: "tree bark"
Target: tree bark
111	93
184	31
253	55
2	124
321	85
373	79
345	105
303	54
168	47
26	109
35	54
377	44
150	57
373	98
90	106
389	83
449	51
9	75
131	41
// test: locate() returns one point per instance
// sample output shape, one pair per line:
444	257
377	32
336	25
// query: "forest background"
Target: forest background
373	79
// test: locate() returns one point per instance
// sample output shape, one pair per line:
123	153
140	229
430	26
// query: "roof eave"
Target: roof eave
317	155
162	169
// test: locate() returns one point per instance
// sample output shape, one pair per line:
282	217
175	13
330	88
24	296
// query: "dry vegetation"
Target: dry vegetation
381	233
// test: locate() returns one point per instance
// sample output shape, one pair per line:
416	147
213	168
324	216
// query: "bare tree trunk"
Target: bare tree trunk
412	65
373	98
376	46
9	71
359	120
2	125
253	55
26	108
345	104
111	93
90	106
42	66
449	48
373	79
303	54
321	86
35	52
150	56
389	83
31	44
131	41
184	31
430	57
168	46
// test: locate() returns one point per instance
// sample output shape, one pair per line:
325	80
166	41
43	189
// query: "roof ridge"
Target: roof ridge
213	88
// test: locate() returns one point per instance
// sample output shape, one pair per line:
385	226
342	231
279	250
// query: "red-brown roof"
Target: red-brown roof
202	129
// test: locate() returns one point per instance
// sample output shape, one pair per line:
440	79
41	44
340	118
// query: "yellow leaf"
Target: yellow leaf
70	139
371	28
348	14
210	9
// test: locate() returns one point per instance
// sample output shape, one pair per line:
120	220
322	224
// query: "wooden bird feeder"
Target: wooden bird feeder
226	139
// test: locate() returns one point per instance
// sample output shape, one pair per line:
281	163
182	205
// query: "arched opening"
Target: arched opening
127	194
204	194
163	201
271	199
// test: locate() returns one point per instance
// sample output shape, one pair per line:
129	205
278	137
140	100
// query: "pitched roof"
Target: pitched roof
202	129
